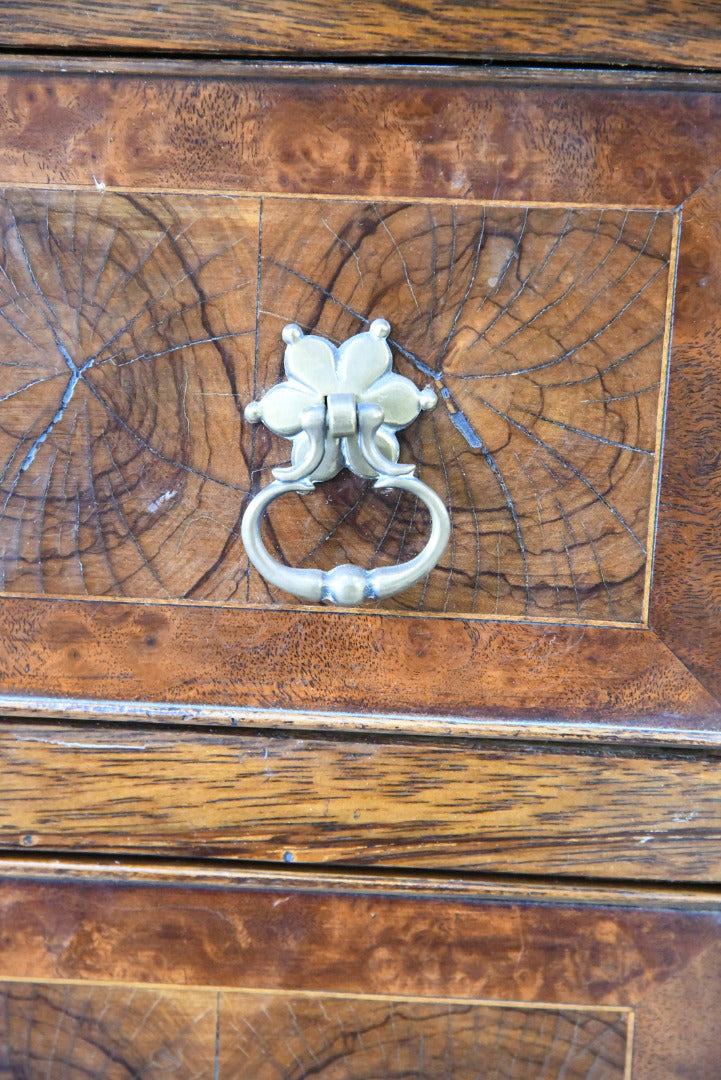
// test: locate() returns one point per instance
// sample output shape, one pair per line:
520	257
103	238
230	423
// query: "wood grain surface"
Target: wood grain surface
542	331
121	437
374	940
451	133
511	809
125	465
115	1033
262	665
348	1040
608	155
686	595
684	33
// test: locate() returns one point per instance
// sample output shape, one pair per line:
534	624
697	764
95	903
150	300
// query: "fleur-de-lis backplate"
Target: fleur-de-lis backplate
342	407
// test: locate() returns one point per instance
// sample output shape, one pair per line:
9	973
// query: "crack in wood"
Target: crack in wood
146	306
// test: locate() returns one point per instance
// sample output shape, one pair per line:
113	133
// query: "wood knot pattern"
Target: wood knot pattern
68	1032
365	1040
94	1032
136	327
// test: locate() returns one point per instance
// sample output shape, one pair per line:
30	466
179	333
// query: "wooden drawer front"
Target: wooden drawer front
503	808
533	243
187	973
123	420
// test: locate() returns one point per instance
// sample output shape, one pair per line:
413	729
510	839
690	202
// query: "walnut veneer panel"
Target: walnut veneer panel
85	1030
359	974
364	132
205	664
125	463
515	810
635	32
344	1039
76	1032
522	237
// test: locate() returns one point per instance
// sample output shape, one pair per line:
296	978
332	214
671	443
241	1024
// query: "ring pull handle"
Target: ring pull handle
341	407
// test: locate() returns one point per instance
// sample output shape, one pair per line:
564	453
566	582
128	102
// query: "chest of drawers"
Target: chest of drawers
470	830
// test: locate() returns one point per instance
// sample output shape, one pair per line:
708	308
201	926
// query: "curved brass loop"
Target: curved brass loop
313	424
370	418
346	584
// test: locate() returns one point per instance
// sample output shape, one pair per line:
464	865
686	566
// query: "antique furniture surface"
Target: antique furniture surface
471	829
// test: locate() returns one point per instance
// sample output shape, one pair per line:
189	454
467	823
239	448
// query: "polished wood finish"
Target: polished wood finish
229	666
110	1032
126	463
115	1032
380	939
401	133
349	1039
504	137
688	568
506	808
684	33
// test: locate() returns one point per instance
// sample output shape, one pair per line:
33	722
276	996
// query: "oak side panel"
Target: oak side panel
364	132
635	32
686	593
507	809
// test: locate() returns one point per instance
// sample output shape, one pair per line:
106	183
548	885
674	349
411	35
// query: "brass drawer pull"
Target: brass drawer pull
342	407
